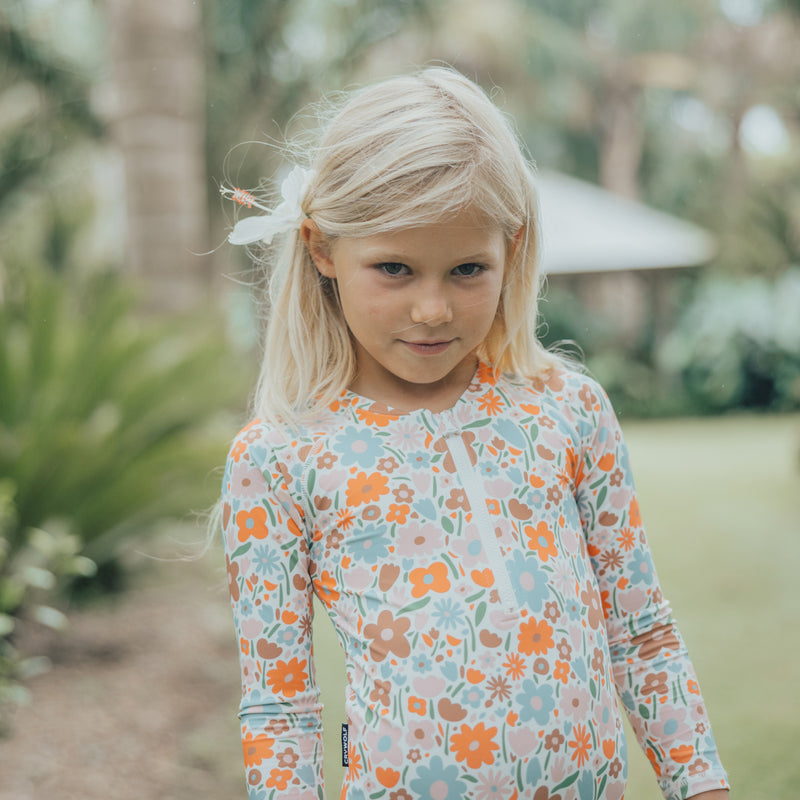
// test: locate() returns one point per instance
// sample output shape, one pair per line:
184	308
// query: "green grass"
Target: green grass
721	501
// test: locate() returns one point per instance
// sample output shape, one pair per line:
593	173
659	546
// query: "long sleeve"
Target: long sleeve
267	558
651	667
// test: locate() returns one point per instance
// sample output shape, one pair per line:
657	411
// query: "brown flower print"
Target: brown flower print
388	636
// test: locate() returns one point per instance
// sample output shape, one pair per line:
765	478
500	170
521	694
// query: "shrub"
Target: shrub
737	345
109	423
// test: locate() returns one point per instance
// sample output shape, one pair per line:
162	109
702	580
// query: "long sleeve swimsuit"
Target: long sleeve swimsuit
488	577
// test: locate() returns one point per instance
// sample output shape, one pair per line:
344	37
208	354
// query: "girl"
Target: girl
457	497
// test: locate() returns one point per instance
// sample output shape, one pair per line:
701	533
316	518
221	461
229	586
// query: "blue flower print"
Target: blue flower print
369	544
529	579
437	782
267	559
426	508
641	568
535	702
488	469
421	663
448	614
358	446
512	433
472	696
419	460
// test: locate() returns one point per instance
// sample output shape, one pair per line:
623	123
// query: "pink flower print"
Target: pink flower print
414	539
384	744
332	480
632	600
247	481
494	785
523	741
499	488
430	687
575	703
406	436
420	733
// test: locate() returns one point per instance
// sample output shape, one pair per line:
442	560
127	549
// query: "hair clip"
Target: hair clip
286	216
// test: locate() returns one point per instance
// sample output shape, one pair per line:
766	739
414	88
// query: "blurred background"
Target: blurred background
667	137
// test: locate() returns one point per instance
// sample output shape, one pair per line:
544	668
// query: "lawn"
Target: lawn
721	501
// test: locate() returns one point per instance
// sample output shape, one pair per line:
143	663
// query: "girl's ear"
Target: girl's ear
318	248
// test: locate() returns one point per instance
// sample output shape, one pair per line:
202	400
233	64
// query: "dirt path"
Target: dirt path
140	703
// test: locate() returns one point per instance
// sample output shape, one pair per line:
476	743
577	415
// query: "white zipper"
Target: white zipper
477	501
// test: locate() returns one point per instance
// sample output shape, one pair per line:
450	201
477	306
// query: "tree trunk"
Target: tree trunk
159	126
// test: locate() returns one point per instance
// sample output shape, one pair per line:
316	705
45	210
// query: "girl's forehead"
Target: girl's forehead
462	237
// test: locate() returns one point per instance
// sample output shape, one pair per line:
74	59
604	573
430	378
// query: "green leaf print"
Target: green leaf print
240	551
644	711
566	782
415	606
312	479
447	524
480	613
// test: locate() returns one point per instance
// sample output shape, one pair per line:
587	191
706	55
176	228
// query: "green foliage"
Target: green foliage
103	415
737	345
45	104
108	424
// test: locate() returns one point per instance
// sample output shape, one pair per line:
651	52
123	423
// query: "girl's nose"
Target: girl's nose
431	308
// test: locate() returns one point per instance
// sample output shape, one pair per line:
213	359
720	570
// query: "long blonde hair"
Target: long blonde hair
402	153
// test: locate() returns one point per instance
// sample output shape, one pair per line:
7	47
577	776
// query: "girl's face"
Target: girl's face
418	303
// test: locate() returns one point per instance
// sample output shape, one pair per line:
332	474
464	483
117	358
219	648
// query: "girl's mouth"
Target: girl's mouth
428	348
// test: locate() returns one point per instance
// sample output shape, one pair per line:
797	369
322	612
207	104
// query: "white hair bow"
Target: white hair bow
286	216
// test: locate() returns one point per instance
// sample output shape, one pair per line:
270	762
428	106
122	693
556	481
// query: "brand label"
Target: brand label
345	747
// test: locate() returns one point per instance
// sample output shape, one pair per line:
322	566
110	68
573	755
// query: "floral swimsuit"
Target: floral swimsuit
488	577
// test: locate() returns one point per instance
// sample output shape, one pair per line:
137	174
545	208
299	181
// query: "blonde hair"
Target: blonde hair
402	153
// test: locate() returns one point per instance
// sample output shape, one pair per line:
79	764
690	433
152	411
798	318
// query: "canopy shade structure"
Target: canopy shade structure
587	229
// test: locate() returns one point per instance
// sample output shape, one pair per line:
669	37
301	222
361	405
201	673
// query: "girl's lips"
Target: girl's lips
427	348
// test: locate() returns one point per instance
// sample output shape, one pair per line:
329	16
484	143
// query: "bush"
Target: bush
108	423
737	345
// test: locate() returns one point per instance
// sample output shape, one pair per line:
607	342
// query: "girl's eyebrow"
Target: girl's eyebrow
389	256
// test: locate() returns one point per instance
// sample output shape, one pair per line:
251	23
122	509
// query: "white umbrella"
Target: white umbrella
588	229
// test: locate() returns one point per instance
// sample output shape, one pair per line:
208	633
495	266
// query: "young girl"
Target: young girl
458	498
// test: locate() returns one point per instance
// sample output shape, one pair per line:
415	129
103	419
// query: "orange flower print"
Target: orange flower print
515	666
487	374
239	449
375	415
417	705
387	776
542	540
429	579
398	512
288	678
366	488
626	539
344	517
279	778
325	586
354	761
474	745
535	637
561	671
252	523
256	749
580	744
634	515
491	403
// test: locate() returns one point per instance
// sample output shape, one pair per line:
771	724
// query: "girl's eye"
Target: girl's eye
468	270
393	269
